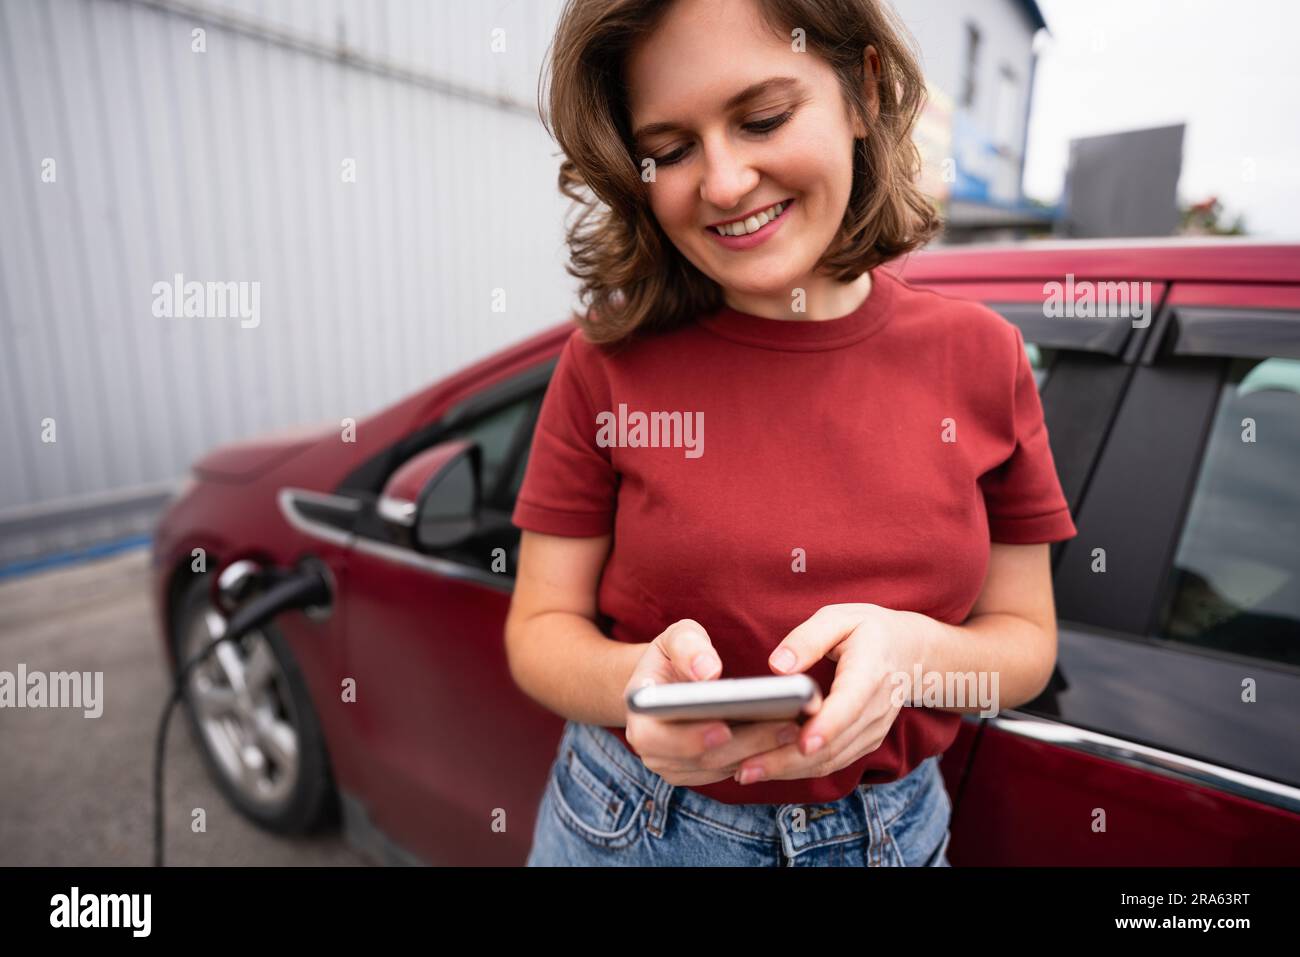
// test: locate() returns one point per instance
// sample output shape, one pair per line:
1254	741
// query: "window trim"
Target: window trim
1246	333
1106	336
1179	766
1115	706
1160	429
369	477
519	447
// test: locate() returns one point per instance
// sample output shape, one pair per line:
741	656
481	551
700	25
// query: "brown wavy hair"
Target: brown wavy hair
633	279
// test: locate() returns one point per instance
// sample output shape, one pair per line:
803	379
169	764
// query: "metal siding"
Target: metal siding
225	166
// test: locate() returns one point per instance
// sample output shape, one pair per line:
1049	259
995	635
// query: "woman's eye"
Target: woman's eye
769	124
670	159
758	126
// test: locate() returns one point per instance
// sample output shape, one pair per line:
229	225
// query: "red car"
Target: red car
1170	378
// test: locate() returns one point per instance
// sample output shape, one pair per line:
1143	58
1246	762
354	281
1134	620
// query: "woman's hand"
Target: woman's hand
871	644
693	752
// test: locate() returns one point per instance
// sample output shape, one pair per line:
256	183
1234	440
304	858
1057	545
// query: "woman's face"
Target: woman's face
789	140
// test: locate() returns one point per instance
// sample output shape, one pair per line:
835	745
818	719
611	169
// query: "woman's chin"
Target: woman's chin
763	286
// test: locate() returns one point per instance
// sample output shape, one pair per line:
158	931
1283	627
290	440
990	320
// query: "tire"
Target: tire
266	751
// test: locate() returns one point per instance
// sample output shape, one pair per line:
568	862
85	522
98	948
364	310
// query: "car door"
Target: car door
1169	735
1081	369
456	754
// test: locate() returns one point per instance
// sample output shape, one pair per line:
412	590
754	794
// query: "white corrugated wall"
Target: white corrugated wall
227	165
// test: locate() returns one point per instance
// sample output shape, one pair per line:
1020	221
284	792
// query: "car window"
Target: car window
495	433
1041	359
1235	581
517	480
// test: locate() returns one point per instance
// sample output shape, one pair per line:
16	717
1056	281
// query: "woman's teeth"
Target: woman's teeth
753	223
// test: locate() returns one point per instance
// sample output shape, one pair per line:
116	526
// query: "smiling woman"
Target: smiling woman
679	117
878	488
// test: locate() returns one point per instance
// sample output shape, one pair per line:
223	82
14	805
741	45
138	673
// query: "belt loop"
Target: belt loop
875	826
659	806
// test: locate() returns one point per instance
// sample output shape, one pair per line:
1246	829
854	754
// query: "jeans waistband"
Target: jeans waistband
798	826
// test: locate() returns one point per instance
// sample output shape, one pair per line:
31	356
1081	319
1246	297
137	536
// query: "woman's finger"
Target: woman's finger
674	740
810	641
851	692
747	739
789	763
686	644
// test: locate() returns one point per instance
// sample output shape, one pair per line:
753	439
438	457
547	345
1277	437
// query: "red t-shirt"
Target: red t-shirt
826	436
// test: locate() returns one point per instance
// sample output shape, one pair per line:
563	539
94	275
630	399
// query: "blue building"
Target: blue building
979	59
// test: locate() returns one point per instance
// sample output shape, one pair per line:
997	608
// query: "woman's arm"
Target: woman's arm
557	655
1011	629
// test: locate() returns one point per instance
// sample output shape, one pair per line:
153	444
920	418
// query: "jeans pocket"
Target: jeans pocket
594	798
919	831
895	798
939	858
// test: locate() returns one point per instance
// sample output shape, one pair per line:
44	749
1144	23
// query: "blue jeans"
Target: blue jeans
603	806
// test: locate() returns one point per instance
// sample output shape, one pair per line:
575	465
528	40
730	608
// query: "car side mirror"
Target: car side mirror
434	497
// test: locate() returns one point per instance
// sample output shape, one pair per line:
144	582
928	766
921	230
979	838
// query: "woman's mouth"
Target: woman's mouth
756	229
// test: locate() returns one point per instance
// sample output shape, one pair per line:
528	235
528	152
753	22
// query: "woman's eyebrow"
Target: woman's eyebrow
753	91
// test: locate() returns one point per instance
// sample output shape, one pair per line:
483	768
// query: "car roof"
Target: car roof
1174	259
1201	259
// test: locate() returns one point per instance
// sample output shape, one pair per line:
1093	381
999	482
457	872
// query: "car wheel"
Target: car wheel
251	714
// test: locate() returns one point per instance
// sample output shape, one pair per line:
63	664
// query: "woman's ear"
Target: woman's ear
871	72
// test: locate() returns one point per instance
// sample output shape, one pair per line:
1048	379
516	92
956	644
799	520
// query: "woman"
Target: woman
876	494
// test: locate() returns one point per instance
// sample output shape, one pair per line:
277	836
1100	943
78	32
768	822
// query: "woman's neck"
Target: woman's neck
828	299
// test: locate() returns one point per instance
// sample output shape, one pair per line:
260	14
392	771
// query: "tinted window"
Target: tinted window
517	480
1235	583
495	433
1041	359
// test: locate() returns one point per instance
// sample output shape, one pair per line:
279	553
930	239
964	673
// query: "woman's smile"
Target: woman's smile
753	230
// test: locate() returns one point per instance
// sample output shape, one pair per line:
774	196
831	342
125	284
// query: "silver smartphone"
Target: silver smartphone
777	698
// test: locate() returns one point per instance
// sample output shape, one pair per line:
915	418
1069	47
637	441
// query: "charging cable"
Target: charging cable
305	587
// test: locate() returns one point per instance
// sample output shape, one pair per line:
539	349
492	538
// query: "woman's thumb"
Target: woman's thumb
690	650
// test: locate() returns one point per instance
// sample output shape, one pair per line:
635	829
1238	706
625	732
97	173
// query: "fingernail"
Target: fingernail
788	735
814	743
783	660
703	665
750	775
716	736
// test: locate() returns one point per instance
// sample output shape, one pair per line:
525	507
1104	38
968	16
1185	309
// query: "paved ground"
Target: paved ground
77	791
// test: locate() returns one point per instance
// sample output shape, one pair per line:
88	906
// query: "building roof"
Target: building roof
1035	15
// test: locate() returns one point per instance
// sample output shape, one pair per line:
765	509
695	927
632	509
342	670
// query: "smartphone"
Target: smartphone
780	697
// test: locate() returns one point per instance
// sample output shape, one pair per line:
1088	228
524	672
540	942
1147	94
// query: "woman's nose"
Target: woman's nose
728	175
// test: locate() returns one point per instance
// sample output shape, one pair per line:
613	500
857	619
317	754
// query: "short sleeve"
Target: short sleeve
1023	495
570	485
